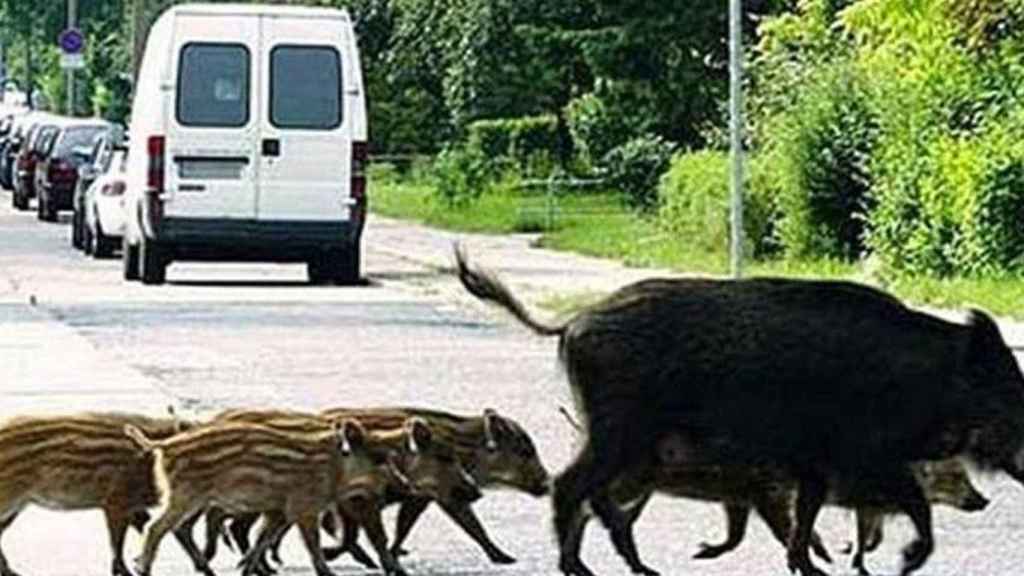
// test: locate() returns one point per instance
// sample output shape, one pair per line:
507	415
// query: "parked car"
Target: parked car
58	162
11	146
28	156
103	207
96	163
248	142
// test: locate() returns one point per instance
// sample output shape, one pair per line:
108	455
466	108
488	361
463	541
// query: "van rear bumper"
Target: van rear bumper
254	240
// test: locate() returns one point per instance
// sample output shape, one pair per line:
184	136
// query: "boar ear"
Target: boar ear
417	434
986	343
493	425
350	433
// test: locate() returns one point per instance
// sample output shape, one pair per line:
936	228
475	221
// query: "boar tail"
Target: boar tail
486	286
137	436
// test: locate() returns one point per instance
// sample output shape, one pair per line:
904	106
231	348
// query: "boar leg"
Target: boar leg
215	517
367	513
409	512
464	516
869	524
240	527
774	509
349	541
595	467
183	534
621	532
811	492
737	516
117	526
178	509
309	527
912	500
275	524
5	569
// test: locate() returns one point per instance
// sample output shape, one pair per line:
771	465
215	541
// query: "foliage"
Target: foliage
821	147
636	166
521	140
694	203
461	175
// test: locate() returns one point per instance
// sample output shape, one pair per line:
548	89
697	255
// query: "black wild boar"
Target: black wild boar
823	379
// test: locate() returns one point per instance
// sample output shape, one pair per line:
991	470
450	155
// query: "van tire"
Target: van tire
77	238
44	211
316	271
130	259
347	268
152	262
102	246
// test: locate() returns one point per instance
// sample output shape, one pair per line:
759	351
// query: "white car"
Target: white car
104	208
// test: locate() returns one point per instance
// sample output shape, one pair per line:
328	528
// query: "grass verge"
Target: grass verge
598	225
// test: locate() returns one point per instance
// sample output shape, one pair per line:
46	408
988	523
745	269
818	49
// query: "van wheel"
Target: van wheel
130	259
153	263
348	267
87	242
316	271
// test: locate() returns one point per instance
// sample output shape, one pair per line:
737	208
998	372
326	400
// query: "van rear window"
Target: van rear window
213	85
305	87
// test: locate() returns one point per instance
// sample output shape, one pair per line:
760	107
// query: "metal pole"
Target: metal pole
72	22
736	134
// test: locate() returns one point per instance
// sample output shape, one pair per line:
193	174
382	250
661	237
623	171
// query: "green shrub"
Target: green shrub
461	175
695	205
521	140
635	168
822	148
597	127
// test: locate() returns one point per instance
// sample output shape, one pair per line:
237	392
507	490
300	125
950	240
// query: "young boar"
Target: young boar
250	468
822	379
494	449
80	462
770	492
424	462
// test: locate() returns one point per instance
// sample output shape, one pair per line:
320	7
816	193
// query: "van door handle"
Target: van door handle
271	147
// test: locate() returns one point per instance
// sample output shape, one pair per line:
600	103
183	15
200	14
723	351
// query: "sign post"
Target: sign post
72	43
736	134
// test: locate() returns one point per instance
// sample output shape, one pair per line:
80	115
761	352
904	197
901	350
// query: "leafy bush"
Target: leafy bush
461	175
520	139
822	146
598	127
636	167
695	203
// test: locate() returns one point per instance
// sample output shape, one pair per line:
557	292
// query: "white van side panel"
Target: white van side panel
308	178
211	161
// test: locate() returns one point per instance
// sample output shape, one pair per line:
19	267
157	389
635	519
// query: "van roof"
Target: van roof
258	10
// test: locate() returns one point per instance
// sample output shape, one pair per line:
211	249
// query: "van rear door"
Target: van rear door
212	128
306	146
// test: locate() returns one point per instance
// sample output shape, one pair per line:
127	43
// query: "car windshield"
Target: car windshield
75	137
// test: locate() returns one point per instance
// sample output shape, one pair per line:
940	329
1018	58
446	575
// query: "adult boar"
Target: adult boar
823	379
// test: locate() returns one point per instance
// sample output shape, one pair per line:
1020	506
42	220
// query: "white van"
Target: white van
247	142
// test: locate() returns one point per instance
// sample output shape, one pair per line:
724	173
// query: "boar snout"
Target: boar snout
974	502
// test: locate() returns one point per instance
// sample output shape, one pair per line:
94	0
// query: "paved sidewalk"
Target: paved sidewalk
537	274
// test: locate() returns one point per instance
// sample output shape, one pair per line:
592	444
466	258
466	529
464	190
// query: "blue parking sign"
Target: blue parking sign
71	41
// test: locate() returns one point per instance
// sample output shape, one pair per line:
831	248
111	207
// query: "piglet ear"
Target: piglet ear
492	429
417	434
351	435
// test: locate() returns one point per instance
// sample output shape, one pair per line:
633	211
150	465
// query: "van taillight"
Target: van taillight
155	173
360	159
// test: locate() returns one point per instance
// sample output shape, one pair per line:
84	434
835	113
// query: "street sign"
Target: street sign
71	41
72	61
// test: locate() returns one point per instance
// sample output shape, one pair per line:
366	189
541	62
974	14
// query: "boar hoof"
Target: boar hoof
399	551
710	551
915	555
499	557
574	567
9	572
847	549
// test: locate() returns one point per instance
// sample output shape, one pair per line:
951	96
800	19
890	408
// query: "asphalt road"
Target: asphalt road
74	336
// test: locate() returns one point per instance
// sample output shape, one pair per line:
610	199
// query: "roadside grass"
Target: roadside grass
598	224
